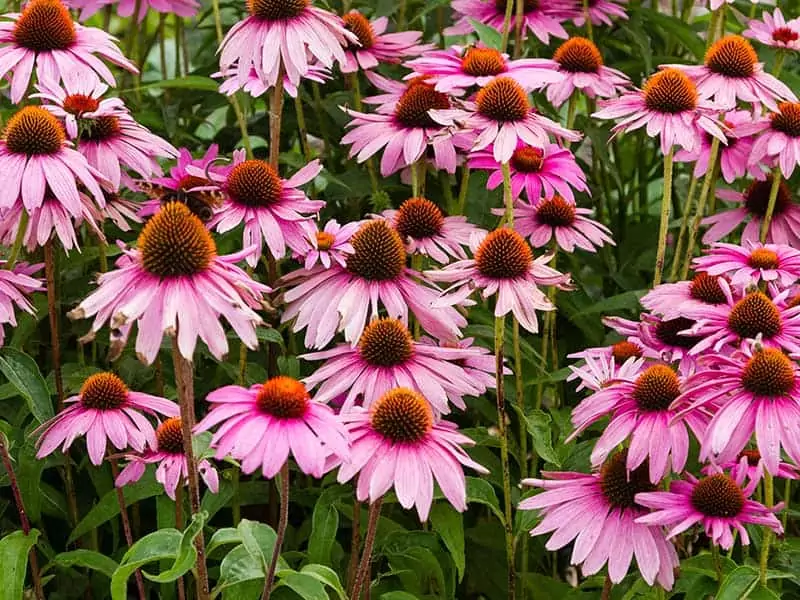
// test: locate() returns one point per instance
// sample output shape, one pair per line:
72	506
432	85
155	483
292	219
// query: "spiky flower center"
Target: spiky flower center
769	372
402	415
669	332
413	106
787	119
527	5
360	26
34	131
656	388
44	25
379	253
732	56
104	391
503	100
756	197
621	486
784	35
254	183
283	397
386	343
503	254
578	55
276	10
419	218
670	91
763	258
556	212
169	436
706	288
325	240
175	242
718	496
527	159
79	104
101	128
622	351
483	62
754	314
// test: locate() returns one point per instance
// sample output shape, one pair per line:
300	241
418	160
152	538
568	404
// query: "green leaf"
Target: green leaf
14	550
268	334
481	491
223	537
449	524
540	427
88	559
672	26
237	567
186	555
159	545
762	593
398	596
324	525
738	584
488	35
29	476
190	82
259	541
327	576
306	586
23	373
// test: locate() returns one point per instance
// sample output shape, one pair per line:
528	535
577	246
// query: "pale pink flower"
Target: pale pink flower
774	30
751	263
751	465
256	87
601	370
375	46
16	284
541	19
672	300
778	142
600	12
126	8
79	98
330	245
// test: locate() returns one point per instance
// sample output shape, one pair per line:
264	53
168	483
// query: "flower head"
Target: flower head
330	245
774	30
672	300
16	284
779	139
254	85
600	370
375	46
542	19
751	263
126	8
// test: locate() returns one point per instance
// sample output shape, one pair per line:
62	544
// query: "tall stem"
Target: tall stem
717	563
355	86
506	25
687	210
508	195
776	69
773	197
666	203
463	188
364	567
275	118
355	543
607	585
126	524
769	500
301	125
282	523
519	15
787	498
23	517
179	527
184	381
709	183
587	16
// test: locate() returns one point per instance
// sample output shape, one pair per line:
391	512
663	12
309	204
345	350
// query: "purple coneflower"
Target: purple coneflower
672	300
541	19
778	142
16	284
375	46
330	245
751	263
581	65
774	30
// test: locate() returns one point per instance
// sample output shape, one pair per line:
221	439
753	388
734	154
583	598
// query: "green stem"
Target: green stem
776	69
281	534
506	25
711	34
787	497
17	246
769	500
709	183
717	563
355	86
508	195
589	32
687	209
519	14
447	190
301	126
571	111
463	189
320	111
773	197
666	204
236	506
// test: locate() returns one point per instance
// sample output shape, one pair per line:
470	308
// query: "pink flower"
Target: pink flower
375	46
45	36
119	211
426	230
459	69
16	284
541	172
670	108
541	19
671	300
283	38
599	513
600	12
256	87
503	264
752	262
732	73
718	503
734	155
779	139
327	300
167	453
174	282
753	391
263	424
560	219
386	357
397	443
105	411
581	64
785	224
601	370
273	210
502	115
38	162
751	465
126	8
639	409
330	245
773	30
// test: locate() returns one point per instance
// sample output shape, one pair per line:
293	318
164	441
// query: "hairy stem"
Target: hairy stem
773	197
687	210
365	565
355	543
282	523
126	524
709	182
13	254
506	25
666	204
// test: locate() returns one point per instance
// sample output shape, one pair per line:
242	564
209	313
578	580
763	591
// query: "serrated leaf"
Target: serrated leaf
23	373
14	549
738	583
449	524
88	559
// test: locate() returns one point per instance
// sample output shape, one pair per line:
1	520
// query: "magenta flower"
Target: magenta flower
669	107
256	87
375	46
262	425
174	281
106	412
600	12
752	262
601	370
397	443
751	465
45	36
541	19
327	300
120	211
426	230
126	8
282	37
274	211
386	357
503	265
719	503
598	512
80	98
540	172
773	30
330	245
460	69
16	284
167	453
581	64
779	139
558	218
672	300
753	202
753	391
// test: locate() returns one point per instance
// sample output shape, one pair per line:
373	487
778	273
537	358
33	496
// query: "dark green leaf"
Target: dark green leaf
540	426
14	550
88	559
23	373
186	555
738	583
327	576
305	585
449	524
159	545
482	492
486	34
324	525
